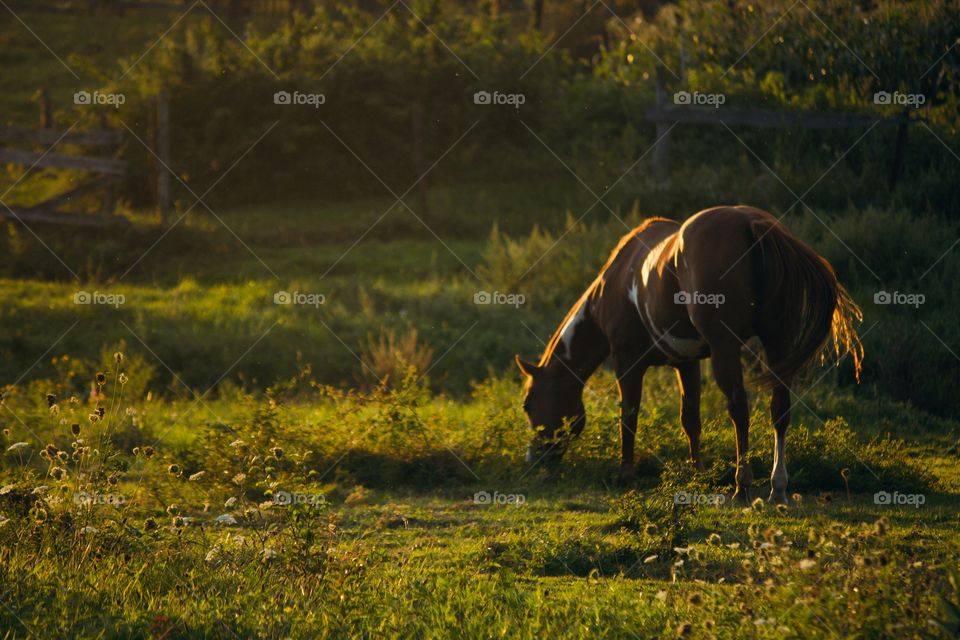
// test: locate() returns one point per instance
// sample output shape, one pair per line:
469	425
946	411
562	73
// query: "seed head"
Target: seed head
174	469
51	400
75	429
123	379
277	452
118	356
100	411
149	524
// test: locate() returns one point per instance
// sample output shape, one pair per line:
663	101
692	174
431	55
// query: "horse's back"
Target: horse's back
714	259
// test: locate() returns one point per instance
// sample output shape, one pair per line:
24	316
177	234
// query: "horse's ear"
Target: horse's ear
527	368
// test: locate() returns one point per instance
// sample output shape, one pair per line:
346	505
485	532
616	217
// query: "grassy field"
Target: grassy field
275	505
312	512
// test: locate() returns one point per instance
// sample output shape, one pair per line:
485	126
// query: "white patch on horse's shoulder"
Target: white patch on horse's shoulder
570	328
633	293
650	263
683	347
686	347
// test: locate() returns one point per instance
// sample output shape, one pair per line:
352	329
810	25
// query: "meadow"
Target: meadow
294	413
404	507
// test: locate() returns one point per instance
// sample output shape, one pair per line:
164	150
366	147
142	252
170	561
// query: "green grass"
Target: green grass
392	541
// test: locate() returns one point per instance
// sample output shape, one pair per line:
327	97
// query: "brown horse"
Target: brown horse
673	295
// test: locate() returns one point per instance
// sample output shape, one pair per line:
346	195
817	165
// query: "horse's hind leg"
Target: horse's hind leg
780	413
729	375
688	380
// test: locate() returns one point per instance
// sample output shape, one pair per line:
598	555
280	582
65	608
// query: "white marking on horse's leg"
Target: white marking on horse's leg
570	328
778	478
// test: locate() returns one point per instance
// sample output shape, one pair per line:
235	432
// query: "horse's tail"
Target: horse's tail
802	304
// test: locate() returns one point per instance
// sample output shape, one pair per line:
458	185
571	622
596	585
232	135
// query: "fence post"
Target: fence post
899	149
163	153
660	151
46	109
418	154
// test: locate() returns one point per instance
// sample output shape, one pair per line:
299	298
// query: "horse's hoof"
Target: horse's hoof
741	498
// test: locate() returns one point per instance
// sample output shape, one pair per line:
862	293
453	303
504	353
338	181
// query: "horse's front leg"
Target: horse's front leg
630	384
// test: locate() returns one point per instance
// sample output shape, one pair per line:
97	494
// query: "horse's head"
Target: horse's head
554	405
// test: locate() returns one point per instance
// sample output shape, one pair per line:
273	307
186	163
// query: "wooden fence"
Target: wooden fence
664	113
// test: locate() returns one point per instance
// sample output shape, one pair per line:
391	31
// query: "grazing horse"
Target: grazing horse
673	294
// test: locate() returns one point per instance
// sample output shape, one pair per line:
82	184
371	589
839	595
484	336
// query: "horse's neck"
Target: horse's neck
579	346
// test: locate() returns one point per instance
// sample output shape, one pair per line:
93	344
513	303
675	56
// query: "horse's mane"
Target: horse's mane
596	285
